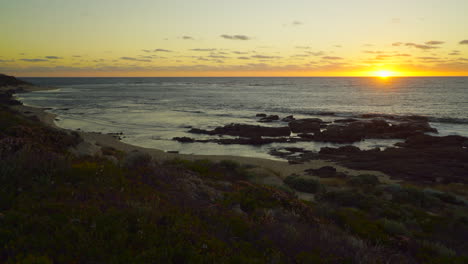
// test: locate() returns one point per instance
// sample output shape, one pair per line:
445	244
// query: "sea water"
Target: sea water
151	111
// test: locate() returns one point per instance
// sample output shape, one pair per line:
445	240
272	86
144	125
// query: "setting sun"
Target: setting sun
384	74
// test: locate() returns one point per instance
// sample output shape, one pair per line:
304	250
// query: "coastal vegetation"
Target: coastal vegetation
127	207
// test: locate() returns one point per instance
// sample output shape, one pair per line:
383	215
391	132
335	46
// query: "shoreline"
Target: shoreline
94	141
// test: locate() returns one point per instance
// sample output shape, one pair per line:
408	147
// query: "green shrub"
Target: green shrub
229	164
394	227
364	180
350	198
303	185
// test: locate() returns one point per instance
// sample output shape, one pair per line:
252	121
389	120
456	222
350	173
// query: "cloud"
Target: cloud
240	52
187	37
382	57
463	42
218	56
317	53
300	55
455	53
302	47
203	49
34	60
76	56
235	37
7	60
396	20
297	23
374	52
134	59
420	46
426	46
402	55
162	50
145	50
434	42
264	57
428	58
53	57
243	58
331	58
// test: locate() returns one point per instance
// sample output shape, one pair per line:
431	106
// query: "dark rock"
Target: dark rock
6	80
242	130
261	115
339	134
425	141
269	118
412	128
200	131
248	141
308	125
288	118
340	150
346	120
293	149
184	139
422	158
323	172
306	136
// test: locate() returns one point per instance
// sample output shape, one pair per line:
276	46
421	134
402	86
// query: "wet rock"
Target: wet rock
422	158
340	150
293	149
200	131
249	141
288	118
323	172
269	118
184	139
308	125
242	130
306	136
346	120
261	115
412	128
340	134
425	141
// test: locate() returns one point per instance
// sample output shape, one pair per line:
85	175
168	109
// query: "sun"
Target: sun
384	73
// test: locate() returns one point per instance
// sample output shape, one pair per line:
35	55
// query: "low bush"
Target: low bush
364	180
302	184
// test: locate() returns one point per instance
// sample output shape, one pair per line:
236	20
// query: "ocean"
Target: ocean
151	111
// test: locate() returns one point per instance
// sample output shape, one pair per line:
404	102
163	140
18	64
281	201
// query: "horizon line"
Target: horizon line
326	76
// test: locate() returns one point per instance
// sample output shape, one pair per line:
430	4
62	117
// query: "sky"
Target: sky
233	38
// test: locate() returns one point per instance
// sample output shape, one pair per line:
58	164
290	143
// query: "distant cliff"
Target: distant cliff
6	80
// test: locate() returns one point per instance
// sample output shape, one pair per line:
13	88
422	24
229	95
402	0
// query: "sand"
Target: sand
269	171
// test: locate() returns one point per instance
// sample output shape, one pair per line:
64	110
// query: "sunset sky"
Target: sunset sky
233	38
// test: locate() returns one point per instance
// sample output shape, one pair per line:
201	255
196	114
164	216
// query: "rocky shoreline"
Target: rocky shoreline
422	157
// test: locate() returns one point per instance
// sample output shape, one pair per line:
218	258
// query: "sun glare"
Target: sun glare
384	74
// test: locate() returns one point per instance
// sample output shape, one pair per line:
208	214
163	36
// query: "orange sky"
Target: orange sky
234	38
